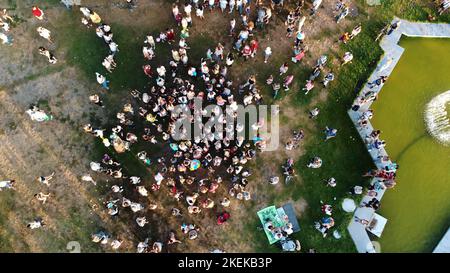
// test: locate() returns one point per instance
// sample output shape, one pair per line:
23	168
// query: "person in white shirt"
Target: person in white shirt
267	54
45	33
7	184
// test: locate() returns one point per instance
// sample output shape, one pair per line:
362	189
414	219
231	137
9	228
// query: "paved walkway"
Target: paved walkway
444	244
392	54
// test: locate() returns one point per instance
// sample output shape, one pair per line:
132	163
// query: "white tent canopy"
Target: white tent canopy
377	224
348	205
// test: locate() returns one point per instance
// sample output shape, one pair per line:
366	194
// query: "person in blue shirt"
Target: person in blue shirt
330	133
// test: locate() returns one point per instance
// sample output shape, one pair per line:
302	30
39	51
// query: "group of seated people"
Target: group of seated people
279	233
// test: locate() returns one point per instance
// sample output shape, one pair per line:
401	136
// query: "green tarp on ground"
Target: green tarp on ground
271	214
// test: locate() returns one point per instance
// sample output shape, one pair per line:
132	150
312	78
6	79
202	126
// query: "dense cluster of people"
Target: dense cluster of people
177	87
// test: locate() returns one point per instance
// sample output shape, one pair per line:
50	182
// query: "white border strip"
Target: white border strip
392	51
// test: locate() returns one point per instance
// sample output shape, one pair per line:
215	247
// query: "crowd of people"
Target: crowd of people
178	86
209	171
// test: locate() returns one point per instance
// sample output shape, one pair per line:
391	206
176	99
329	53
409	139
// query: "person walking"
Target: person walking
267	54
45	33
102	80
37	12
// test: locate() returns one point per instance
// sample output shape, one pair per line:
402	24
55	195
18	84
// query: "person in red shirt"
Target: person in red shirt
38	13
246	51
254	47
223	217
170	35
148	70
178	18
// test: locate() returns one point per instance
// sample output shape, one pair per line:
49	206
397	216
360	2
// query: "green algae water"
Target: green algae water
418	208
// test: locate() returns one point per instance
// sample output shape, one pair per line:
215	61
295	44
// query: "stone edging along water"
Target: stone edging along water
392	54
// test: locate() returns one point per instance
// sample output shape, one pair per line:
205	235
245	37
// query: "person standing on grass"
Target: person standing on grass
45	33
314	113
42	197
115	244
4	15
287	81
345	37
267	54
7	184
113	48
218	53
331	182
344	12
102	80
327	79
348	57
299	53
444	6
356	190
254	45
299	38
38	13
284	68
231	4
108	64
51	58
246	52
356	31
232	26
37	223
330	133
239	6
188	9
315	163
38	115
148	52
172	239
95	18
4	25
199	12
315	6
147	70
96	100
230	59
175	11
211	4
6	40
223	5
46	179
308	86
88	178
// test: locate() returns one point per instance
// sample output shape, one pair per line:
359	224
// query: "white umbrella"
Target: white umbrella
348	205
336	234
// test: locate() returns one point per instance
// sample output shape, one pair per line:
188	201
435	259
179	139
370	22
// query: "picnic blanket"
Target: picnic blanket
271	214
288	210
